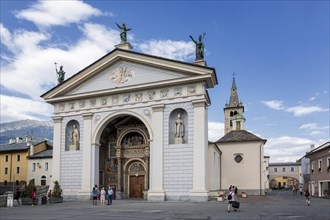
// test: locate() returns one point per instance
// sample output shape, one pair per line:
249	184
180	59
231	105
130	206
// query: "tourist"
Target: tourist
34	196
110	194
307	196
94	195
17	196
102	197
231	199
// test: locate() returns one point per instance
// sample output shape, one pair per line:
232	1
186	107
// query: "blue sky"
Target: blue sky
279	51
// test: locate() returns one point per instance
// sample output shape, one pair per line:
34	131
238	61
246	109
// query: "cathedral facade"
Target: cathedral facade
136	123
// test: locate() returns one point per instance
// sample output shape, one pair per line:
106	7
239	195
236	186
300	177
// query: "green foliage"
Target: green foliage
57	191
28	189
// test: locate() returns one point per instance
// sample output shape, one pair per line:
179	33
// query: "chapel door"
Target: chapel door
136	186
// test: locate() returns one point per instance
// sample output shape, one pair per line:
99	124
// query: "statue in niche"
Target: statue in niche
74	138
199	47
179	127
123	33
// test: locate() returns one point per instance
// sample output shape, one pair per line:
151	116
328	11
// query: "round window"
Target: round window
238	158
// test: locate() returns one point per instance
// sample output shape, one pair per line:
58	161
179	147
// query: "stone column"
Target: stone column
156	191
95	164
199	191
56	162
119	183
86	182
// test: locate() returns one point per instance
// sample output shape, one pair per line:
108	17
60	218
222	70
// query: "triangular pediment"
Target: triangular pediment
123	70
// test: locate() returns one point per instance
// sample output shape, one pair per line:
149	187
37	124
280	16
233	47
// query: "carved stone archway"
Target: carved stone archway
123	142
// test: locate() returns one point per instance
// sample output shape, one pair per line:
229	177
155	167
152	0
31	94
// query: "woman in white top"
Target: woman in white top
102	198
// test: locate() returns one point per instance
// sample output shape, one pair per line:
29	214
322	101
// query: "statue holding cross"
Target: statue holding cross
199	47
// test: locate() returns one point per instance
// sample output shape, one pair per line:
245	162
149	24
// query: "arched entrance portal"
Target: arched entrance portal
284	182
124	157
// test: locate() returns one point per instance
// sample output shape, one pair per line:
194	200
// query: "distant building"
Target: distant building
319	184
285	175
40	164
14	159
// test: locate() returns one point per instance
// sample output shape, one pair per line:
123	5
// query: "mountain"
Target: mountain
37	129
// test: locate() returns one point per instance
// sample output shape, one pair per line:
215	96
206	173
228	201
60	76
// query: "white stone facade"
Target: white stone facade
124	86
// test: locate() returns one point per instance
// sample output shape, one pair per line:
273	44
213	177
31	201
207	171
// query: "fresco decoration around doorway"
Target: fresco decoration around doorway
72	136
137	175
123	142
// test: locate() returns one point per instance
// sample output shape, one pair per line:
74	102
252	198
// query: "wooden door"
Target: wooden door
136	187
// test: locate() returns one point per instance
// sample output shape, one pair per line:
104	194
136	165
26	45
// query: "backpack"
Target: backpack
229	197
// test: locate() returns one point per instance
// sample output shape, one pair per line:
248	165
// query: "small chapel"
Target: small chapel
139	124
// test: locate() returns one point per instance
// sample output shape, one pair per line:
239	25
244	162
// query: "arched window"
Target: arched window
43	181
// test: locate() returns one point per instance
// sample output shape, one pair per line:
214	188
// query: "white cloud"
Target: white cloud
313	129
32	70
51	13
178	50
215	131
15	108
305	110
273	104
287	149
309	126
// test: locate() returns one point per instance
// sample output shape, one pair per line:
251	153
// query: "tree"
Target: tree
57	191
28	189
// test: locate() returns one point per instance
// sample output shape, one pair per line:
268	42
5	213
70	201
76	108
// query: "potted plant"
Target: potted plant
244	195
26	194
221	197
56	194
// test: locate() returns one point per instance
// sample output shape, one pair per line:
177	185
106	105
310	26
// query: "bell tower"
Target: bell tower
234	119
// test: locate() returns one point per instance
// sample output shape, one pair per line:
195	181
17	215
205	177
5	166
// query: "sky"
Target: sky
279	51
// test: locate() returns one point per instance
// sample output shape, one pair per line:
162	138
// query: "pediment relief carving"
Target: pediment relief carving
121	75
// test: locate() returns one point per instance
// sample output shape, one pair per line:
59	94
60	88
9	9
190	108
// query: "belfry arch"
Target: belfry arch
122	160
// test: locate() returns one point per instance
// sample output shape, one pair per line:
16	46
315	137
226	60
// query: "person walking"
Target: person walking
17	196
231	199
110	193
307	196
34	196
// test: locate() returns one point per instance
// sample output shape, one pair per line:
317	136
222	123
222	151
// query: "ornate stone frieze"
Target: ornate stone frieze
82	104
191	89
138	96
126	98
104	101
71	105
92	102
151	95
115	99
164	93
178	91
134	97
121	75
